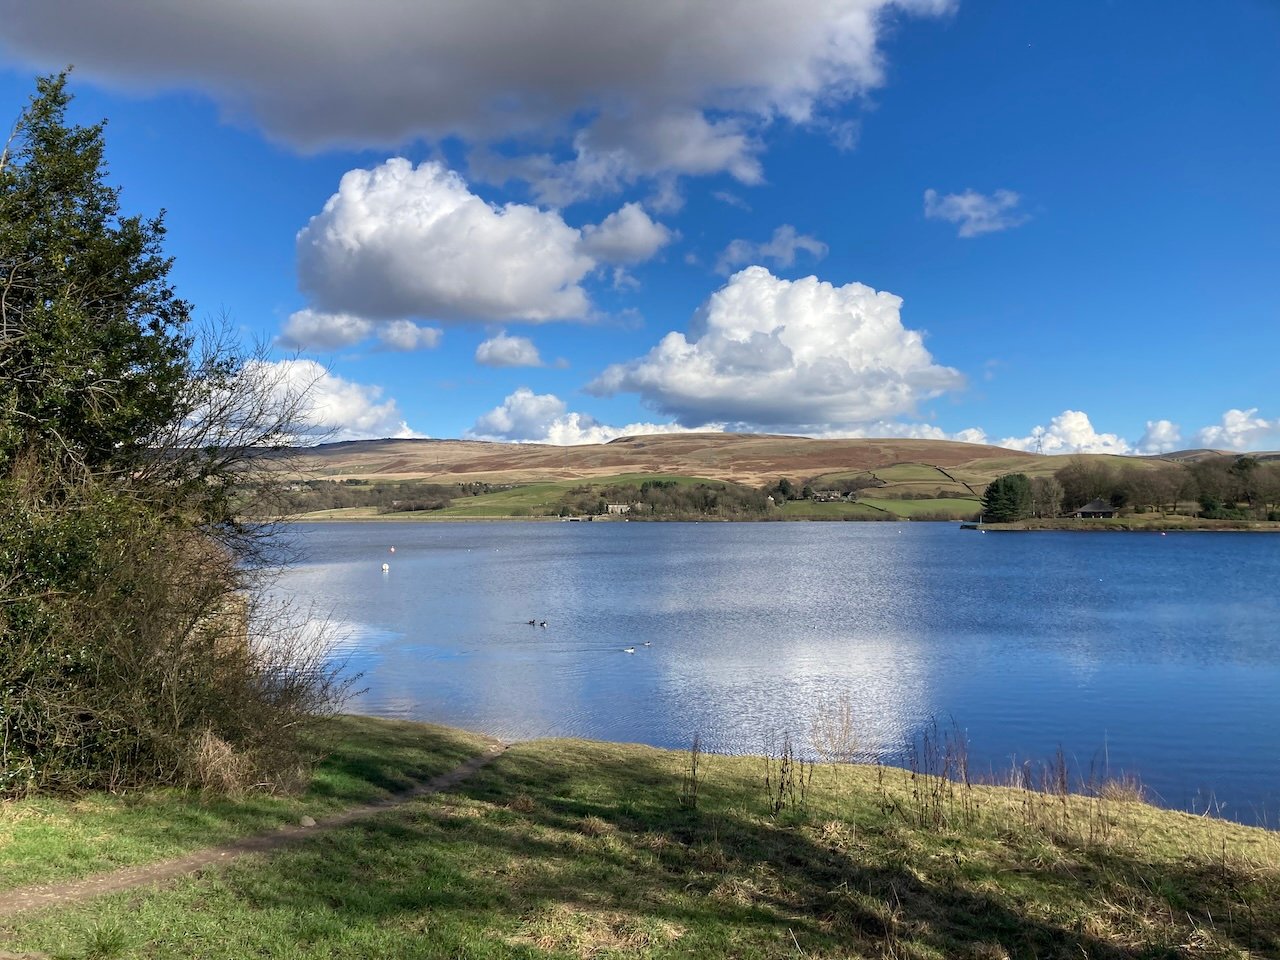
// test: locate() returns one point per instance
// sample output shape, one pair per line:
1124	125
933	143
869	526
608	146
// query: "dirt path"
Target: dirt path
57	894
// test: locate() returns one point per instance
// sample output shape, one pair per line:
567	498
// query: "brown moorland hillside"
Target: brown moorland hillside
751	459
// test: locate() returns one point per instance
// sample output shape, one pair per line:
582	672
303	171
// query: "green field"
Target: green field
543	499
808	510
908	472
530	498
538	499
899	479
961	509
572	849
525	500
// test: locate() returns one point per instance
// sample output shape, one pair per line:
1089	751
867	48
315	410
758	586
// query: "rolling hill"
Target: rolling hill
751	459
468	479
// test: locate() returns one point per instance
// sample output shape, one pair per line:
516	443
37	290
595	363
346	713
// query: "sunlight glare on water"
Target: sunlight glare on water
1159	655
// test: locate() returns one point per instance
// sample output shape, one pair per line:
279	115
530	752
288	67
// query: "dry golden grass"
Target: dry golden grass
742	458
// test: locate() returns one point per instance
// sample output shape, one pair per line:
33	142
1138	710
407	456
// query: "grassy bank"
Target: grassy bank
577	849
46	840
1150	523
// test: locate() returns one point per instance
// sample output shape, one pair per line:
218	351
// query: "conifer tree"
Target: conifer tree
1007	499
93	340
126	573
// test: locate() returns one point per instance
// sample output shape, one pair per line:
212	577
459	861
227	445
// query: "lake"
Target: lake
1147	654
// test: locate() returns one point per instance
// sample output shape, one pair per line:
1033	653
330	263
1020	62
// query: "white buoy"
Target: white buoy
393	549
386	567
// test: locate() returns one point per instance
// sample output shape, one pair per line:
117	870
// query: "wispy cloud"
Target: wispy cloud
732	200
780	249
976	213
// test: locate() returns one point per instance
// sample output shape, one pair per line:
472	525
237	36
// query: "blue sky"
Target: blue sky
1049	225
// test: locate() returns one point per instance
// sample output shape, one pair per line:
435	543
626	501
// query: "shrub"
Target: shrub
139	644
134	646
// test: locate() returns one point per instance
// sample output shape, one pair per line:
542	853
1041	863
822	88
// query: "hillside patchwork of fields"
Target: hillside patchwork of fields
926	479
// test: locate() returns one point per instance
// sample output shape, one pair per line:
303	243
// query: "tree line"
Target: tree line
292	498
668	499
1221	488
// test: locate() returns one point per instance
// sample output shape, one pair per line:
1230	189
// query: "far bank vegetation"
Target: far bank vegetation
1220	488
1224	488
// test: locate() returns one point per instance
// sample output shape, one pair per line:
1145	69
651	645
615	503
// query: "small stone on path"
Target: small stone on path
307	822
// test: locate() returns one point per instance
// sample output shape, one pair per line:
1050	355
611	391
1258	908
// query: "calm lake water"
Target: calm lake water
1155	655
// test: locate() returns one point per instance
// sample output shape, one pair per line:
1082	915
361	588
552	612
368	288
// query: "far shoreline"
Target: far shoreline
1058	525
1126	525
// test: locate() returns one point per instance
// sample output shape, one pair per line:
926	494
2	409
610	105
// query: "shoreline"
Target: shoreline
1126	525
1187	525
571	847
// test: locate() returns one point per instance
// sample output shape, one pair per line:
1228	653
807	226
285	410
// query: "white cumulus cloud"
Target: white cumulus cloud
898	429
637	88
502	350
405	335
401	241
971	435
334	408
528	417
1161	436
627	235
780	249
976	213
1068	432
1240	430
312	330
787	356
315	331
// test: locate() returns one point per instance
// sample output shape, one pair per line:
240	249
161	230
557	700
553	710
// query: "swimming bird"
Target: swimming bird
532	623
628	649
542	623
647	642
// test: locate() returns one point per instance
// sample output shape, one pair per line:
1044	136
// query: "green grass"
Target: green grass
905	472
981	472
536	499
569	849
878	507
960	508
917	486
528	497
807	509
46	839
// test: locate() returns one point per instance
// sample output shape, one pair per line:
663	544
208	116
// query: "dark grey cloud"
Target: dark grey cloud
633	89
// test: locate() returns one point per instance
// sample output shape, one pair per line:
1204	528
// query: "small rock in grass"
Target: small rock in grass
307	822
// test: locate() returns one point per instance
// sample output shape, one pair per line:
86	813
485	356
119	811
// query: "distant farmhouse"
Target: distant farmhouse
619	508
829	496
1096	509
